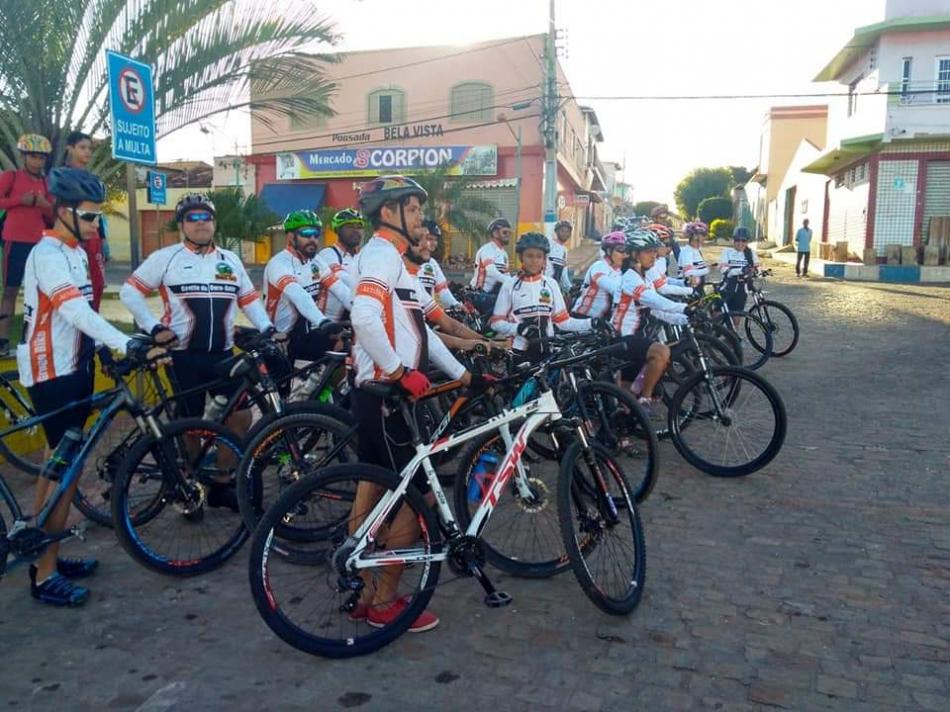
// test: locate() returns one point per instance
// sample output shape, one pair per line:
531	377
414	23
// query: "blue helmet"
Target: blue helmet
75	185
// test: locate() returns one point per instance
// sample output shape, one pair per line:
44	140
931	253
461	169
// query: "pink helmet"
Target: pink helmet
612	240
695	228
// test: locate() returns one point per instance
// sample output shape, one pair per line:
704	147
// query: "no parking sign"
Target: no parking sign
132	107
157	183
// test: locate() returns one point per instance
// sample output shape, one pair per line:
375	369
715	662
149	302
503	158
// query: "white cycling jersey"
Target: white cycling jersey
433	280
389	328
59	326
200	294
691	262
636	294
340	262
491	266
556	266
666	285
597	290
732	262
292	286
536	299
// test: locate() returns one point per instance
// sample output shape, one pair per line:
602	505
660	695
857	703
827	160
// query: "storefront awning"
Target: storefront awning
283	198
847	152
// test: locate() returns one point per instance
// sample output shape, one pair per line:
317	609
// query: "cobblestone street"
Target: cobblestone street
820	582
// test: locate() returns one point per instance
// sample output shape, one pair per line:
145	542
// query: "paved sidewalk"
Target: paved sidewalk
819	583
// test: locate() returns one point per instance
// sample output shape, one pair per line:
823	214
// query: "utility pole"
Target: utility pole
550	125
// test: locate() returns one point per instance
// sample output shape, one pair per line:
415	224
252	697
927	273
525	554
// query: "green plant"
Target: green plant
700	184
456	205
238	218
721	228
716	208
208	56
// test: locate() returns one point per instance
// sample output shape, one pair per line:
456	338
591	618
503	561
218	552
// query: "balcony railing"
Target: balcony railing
919	93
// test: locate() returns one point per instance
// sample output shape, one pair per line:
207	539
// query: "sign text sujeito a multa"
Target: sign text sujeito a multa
132	109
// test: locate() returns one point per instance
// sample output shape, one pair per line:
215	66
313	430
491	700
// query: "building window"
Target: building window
472	101
386	106
943	80
905	79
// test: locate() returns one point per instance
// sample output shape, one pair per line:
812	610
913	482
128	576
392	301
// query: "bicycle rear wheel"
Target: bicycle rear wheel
309	599
737	421
601	528
522	536
25	450
780	324
160	507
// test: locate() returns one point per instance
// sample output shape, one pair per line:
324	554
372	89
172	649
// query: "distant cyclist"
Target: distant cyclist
348	225
556	267
491	264
735	262
430	273
692	264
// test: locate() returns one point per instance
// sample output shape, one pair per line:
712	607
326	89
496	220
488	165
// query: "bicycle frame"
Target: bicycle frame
536	412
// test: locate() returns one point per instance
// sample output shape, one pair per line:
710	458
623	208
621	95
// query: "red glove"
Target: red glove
415	383
482	382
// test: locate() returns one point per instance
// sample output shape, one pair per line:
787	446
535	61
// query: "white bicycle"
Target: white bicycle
333	541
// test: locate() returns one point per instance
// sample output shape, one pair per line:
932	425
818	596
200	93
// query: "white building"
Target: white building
887	163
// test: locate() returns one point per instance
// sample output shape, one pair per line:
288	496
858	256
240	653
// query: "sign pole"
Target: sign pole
133	215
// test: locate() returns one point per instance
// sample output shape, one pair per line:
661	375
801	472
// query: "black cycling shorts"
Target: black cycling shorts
14	262
60	391
384	442
735	295
637	348
192	369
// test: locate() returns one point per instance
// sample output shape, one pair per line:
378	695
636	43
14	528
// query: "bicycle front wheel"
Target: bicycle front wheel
601	528
781	325
310	599
173	504
737	421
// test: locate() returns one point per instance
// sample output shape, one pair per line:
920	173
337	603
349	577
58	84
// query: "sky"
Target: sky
622	48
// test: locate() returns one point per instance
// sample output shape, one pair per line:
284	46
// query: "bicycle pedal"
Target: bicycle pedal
497	599
79	531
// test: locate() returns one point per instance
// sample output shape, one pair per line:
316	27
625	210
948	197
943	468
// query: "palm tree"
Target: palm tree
208	56
457	206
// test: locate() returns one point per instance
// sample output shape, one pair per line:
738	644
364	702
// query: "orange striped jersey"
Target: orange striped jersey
339	261
491	266
59	326
597	289
535	299
295	287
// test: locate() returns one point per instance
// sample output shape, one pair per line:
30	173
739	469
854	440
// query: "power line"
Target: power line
701	97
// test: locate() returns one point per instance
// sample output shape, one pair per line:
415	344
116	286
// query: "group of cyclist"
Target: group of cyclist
389	288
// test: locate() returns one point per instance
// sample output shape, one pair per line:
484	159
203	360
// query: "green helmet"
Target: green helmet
302	218
347	216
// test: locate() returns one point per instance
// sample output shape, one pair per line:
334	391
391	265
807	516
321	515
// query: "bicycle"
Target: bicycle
344	552
781	323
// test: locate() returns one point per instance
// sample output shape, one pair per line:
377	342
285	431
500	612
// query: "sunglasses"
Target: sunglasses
89	216
309	232
198	217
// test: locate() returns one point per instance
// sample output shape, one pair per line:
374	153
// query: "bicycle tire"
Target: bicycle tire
262	565
737	380
131	534
756	335
16	407
265	443
328	410
763	310
497	539
573	491
624	419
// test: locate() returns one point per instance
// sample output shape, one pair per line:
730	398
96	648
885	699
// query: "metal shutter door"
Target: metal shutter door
937	196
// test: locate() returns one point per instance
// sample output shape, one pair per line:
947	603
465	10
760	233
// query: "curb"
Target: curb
897	274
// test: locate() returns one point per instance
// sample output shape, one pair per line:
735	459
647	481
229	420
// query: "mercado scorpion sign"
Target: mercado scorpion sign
379	160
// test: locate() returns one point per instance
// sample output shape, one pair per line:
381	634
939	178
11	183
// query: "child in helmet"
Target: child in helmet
602	278
531	304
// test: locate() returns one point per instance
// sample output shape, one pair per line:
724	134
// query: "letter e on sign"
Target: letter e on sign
131	90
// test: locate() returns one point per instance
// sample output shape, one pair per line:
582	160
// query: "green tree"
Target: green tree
721	228
715	208
700	184
456	205
645	206
740	175
238	218
208	56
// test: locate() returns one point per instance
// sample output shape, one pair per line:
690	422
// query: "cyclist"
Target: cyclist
736	262
530	305
692	266
430	273
201	286
556	266
634	296
293	280
602	277
348	226
24	196
491	265
391	342
659	272
55	358
453	333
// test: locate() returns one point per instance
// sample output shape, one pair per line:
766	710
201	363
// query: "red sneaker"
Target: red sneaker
359	613
381	616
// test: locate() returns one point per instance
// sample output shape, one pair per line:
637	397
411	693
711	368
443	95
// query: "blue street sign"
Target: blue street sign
156	183
132	106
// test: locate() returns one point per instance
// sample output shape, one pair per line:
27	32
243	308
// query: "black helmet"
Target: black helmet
533	239
433	227
193	201
741	233
74	185
498	223
384	189
563	223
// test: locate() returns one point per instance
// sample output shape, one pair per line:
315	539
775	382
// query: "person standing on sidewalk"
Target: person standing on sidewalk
24	195
803	247
78	155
